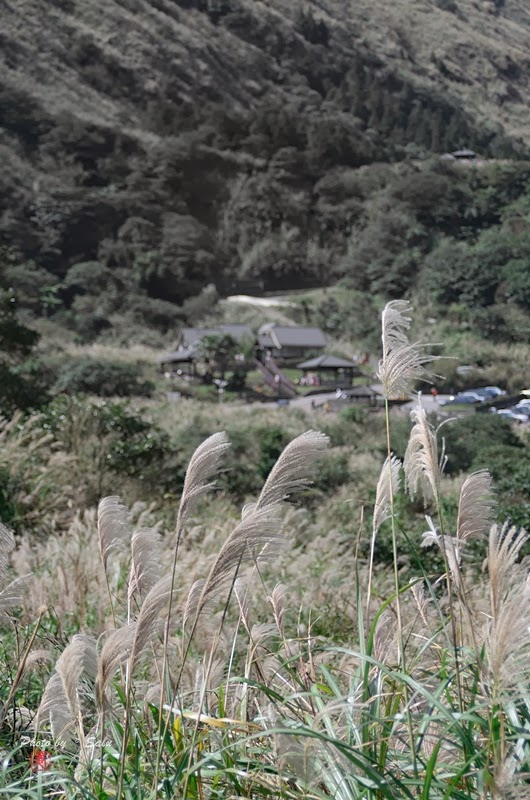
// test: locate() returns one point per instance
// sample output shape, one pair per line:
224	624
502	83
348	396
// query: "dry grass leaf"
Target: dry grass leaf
421	600
241	592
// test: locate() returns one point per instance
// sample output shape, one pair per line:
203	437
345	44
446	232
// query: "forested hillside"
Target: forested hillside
152	148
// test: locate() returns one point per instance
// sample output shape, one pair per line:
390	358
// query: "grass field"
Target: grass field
182	647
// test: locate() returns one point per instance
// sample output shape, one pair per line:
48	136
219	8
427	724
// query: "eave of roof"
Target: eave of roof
292	336
327	362
178	356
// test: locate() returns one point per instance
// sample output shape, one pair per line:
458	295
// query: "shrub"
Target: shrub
501	323
104	378
115	439
155	313
271	443
353	413
333	471
88	277
510	469
36	287
194	309
469	438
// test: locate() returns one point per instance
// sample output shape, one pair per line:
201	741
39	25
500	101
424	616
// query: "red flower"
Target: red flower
40	760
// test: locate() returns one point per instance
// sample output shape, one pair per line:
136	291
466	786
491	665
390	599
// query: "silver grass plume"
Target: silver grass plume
14	593
449	545
114	529
192	601
54	708
262	632
7	544
36	658
510	782
402	361
152	695
298	757
421	600
384	638
387	488
476	505
77	659
203	465
157	599
508	646
258	536
207	681
277	601
114	653
505	544
241	593
146	558
293	469
421	464
11	595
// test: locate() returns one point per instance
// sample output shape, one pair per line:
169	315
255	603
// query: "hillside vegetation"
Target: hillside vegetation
152	148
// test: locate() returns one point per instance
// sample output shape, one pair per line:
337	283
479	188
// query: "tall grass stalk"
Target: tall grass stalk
202	467
402	657
401	363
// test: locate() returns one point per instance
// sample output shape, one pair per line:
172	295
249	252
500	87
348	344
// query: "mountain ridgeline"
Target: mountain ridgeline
154	147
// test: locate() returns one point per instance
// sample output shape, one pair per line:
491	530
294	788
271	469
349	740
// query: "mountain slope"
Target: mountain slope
105	61
477	53
173	143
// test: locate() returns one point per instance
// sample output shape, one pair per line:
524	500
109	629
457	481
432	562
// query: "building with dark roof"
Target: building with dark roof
330	371
288	343
190	337
185	354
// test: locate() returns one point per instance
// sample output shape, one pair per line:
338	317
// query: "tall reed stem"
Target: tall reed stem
401	640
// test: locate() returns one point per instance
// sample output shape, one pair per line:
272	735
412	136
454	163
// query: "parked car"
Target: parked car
489	391
464	398
514	415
